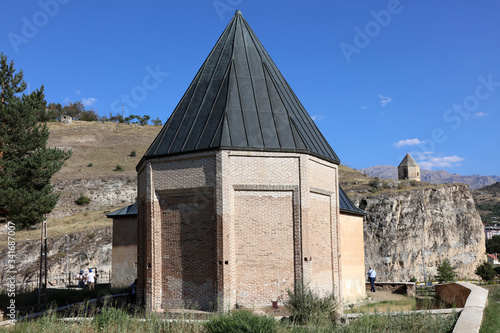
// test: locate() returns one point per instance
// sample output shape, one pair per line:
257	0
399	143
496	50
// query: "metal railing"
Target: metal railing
63	280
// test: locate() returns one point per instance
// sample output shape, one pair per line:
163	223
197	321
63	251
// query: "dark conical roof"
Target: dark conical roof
408	161
239	100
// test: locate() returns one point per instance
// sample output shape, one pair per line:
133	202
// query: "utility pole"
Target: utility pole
67	260
42	282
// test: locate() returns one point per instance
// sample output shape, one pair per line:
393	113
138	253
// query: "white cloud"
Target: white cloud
364	107
384	100
89	101
317	117
427	161
78	92
408	142
480	114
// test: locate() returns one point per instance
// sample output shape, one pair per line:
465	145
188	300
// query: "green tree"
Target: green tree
157	122
143	121
446	272
493	244
52	112
486	271
74	110
26	164
88	115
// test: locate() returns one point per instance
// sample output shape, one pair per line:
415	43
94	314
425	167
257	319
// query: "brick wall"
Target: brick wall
321	244
188	252
264	250
236	227
353	257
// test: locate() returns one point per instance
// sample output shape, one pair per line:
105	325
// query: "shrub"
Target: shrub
241	321
486	271
307	307
413	183
132	153
375	182
90	165
82	200
413	279
118	168
446	272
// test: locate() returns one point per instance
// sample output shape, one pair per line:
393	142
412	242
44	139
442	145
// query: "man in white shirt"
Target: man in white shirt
91	279
372	275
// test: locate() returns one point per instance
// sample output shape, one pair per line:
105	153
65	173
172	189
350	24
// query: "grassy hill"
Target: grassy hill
103	145
488	202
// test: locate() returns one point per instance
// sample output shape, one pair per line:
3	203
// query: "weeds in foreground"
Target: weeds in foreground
117	320
491	319
307	307
414	323
241	321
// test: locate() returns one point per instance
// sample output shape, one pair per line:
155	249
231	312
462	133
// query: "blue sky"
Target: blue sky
380	78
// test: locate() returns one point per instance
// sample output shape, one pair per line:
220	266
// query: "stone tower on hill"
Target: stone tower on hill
238	195
409	169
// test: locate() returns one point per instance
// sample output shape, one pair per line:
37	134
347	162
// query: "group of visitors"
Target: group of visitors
89	279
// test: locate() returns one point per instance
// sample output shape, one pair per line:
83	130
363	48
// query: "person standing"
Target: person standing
132	294
372	276
81	279
91	279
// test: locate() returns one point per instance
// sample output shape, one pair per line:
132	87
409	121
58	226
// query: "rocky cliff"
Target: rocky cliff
408	233
89	249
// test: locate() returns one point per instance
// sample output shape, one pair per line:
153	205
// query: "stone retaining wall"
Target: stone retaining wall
407	288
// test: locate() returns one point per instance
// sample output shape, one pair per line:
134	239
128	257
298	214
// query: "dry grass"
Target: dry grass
64	225
105	145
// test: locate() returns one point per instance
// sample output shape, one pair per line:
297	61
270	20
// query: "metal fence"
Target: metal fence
63	280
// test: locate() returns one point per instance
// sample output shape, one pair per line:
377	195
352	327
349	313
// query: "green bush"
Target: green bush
90	165
241	321
118	168
486	271
307	307
446	272
413	183
374	182
133	153
82	200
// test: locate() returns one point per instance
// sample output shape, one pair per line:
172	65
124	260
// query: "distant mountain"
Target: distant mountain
433	176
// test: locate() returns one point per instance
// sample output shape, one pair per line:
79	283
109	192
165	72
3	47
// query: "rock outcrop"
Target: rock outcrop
409	233
86	250
104	193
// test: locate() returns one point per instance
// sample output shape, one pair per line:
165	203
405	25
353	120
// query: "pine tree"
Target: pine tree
446	272
26	164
